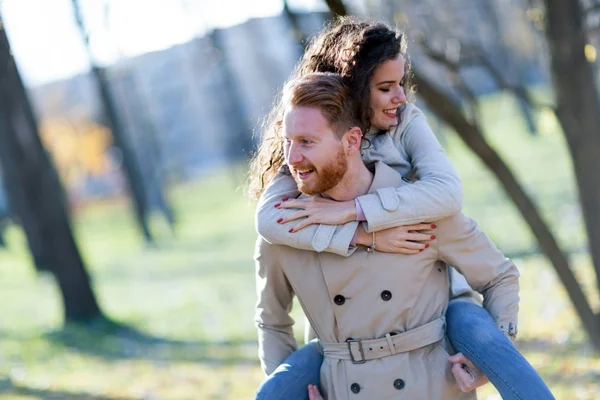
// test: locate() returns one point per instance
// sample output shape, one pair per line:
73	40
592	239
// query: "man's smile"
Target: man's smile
304	174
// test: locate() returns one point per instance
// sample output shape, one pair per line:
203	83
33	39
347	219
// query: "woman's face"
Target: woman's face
387	93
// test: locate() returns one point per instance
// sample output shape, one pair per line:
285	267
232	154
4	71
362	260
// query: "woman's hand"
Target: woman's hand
402	240
313	393
468	376
318	210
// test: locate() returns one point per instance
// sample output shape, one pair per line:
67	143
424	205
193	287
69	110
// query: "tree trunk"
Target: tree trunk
239	143
444	107
136	110
36	195
292	18
121	141
578	109
337	7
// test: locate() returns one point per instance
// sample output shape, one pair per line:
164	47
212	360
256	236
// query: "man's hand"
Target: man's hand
318	210
313	393
402	240
467	375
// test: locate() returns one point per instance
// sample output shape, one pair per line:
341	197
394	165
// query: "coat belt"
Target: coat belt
360	351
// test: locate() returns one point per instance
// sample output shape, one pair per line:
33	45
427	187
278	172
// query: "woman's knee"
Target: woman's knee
291	378
471	325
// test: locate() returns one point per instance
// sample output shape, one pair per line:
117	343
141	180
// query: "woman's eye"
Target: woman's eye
306	141
385	90
403	82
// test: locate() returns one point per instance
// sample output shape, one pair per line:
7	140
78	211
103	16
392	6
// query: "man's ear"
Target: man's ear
352	140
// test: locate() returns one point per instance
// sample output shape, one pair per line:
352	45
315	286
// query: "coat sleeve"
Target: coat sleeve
327	238
275	298
436	194
462	244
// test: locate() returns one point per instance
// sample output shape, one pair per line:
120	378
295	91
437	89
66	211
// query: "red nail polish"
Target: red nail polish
426	246
277	205
433	226
432	237
291	230
420	250
285	199
279	220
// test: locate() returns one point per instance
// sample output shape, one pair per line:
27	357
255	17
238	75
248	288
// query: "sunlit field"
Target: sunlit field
190	298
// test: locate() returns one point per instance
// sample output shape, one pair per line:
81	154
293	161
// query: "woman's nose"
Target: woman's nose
399	96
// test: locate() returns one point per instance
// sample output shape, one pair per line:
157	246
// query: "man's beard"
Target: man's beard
326	177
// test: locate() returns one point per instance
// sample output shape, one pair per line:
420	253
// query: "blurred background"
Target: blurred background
126	236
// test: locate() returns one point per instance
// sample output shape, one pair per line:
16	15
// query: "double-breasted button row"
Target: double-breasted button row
398	384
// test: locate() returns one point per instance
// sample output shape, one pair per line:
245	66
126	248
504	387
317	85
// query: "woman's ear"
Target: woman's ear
353	140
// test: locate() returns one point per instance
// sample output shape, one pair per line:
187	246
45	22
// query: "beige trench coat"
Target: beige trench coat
369	295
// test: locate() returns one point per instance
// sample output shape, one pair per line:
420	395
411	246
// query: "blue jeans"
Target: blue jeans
470	329
291	379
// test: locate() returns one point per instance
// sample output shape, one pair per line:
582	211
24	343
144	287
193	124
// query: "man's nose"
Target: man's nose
399	96
294	155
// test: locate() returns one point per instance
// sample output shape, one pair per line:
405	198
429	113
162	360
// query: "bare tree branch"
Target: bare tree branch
454	69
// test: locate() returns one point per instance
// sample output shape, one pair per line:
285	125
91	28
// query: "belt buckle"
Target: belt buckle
360	349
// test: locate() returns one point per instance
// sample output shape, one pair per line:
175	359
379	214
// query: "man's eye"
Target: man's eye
306	141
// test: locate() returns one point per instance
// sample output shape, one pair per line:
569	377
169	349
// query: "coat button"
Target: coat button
339	299
386	295
355	387
399	384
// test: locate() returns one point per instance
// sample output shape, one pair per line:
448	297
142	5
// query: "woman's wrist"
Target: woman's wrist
360	215
363	238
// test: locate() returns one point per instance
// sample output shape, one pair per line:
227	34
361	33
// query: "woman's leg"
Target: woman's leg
472	331
291	379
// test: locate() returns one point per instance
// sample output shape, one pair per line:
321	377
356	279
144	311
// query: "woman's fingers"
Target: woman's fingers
303	224
293	217
419	237
420	227
293	203
412	245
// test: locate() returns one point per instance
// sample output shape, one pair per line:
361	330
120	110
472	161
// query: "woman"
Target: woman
372	59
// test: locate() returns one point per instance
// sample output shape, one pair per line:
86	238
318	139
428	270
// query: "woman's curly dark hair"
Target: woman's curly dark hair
349	46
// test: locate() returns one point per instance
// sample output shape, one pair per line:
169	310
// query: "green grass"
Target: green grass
192	295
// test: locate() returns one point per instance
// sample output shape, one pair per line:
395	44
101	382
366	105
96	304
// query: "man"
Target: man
378	316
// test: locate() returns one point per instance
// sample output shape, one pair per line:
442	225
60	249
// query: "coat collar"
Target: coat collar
384	177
